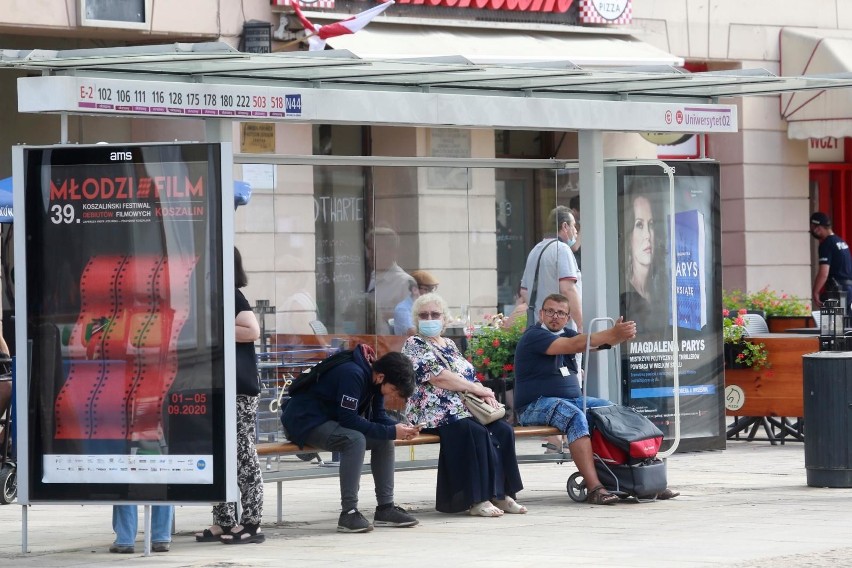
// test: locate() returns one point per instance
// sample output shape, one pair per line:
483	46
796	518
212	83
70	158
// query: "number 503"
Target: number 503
62	214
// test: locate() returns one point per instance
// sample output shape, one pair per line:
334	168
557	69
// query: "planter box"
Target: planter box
776	391
732	353
780	324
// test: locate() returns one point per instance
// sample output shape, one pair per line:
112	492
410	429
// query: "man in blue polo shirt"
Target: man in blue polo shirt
547	390
835	262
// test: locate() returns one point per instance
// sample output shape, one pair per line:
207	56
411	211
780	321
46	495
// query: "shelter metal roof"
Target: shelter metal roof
315	73
218	61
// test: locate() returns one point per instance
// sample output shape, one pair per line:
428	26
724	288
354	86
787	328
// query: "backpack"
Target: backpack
310	376
621	435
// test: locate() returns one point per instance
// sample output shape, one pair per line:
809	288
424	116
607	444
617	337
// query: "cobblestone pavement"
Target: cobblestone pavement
745	507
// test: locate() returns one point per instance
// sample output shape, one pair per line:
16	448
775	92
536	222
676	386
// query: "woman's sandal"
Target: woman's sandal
485	509
598	497
209	536
248	534
509	505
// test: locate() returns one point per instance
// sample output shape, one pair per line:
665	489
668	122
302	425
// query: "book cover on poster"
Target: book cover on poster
690	265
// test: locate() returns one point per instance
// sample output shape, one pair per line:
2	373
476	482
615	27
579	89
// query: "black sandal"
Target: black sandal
598	497
208	536
249	534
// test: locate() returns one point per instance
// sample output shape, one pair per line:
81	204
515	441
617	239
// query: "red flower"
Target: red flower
725	313
480	377
486	361
496	343
739	320
508	367
742	311
480	351
740	356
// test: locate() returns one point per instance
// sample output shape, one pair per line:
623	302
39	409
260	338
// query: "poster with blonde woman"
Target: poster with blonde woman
650	259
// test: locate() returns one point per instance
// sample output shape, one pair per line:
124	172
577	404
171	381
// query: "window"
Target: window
125	14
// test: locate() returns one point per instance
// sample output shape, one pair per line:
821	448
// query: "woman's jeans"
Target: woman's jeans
125	519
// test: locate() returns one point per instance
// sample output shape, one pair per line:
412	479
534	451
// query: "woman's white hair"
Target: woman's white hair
430	298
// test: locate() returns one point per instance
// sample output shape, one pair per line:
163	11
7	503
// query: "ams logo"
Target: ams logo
116	156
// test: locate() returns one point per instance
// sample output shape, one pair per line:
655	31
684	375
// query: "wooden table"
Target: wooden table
768	397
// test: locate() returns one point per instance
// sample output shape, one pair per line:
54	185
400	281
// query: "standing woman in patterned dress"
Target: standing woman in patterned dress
225	528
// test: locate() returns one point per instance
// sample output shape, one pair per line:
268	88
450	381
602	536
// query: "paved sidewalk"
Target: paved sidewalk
746	506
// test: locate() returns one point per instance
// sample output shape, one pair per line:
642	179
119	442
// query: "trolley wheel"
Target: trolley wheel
8	484
307	457
577	487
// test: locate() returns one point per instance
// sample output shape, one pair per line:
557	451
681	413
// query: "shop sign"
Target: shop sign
734	398
606	11
309	4
826	149
665	138
257	137
556	6
674	145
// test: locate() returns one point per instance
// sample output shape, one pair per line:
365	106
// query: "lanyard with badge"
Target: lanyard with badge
560	359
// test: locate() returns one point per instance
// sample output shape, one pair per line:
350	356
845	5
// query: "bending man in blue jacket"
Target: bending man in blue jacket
344	412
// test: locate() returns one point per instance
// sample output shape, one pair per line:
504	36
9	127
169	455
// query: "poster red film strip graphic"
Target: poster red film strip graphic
124	347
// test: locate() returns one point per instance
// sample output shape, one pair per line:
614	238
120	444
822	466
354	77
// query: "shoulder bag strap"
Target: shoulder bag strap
439	355
534	287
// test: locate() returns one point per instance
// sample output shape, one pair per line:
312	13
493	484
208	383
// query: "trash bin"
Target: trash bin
827	385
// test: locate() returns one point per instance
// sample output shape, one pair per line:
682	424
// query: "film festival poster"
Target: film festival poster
645	297
125	312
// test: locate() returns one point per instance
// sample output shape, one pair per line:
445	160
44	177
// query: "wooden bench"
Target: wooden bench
288	448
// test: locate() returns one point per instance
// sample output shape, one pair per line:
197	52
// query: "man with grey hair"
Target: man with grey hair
552	268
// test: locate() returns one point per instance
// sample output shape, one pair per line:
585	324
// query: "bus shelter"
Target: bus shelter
220	86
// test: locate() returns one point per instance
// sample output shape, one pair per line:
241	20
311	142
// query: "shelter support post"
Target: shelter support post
594	245
147	530
24	543
218	130
63	128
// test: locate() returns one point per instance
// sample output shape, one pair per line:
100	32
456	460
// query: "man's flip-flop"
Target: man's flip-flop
597	496
667	494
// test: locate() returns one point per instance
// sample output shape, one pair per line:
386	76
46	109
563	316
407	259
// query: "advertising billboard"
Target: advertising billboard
123	285
645	250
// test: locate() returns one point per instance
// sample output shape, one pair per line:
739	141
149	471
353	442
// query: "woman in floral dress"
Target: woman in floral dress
477	467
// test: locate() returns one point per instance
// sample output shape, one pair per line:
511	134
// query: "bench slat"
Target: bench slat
280	448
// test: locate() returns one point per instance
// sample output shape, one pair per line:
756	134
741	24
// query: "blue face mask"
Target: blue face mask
430	328
572	242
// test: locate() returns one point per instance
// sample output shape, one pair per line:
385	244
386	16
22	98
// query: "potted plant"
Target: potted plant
739	352
782	311
491	350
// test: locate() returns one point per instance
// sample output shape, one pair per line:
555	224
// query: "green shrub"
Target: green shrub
766	300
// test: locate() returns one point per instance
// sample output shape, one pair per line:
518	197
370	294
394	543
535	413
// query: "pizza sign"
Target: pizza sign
606	11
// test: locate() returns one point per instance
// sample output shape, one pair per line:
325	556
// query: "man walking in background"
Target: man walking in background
835	262
552	269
